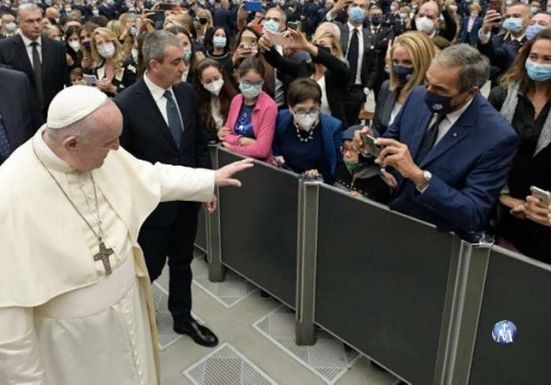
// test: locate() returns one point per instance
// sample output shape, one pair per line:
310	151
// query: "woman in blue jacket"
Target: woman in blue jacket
307	141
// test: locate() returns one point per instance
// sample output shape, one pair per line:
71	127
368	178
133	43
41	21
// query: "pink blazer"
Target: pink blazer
263	119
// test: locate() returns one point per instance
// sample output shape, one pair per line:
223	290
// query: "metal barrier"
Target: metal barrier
420	303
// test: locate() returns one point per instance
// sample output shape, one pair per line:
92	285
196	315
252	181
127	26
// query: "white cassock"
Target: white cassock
63	321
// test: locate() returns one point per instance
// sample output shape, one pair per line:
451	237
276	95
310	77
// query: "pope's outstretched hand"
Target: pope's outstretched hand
223	176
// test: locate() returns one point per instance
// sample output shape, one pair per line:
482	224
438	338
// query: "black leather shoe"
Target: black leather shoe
200	334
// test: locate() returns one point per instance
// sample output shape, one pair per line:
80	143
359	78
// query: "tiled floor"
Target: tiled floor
256	343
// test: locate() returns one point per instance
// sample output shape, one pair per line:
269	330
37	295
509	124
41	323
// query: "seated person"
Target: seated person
250	126
306	140
359	175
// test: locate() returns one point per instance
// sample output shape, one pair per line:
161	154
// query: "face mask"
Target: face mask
392	8
509	2
438	103
533	30
250	91
187	54
402	73
534	10
403	16
10	27
215	86
538	72
270	26
68	10
376	20
203	20
474	14
134	31
306	121
356	14
353	167
424	24
75	45
107	51
219	41
513	24
95	12
134	54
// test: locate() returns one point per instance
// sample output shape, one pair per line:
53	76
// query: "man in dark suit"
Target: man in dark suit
162	124
449	148
470	26
42	59
377	37
20	116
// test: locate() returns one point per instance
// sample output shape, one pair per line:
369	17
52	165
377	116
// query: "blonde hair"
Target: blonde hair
335	43
421	51
109	36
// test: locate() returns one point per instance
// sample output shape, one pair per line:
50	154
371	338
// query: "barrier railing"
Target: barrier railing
418	302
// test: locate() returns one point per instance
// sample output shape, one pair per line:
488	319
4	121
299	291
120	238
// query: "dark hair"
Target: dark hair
210	36
70	31
225	96
251	64
441	42
303	89
100	20
77	72
237	40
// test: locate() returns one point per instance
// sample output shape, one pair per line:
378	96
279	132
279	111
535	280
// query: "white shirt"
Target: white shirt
324	107
279	94
448	121
351	28
29	48
158	94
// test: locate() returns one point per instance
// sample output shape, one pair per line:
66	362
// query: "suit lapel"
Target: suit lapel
21	48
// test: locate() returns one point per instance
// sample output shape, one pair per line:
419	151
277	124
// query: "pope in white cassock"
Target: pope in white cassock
75	298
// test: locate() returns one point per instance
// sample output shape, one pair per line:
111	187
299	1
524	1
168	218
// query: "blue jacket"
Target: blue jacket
469	165
331	131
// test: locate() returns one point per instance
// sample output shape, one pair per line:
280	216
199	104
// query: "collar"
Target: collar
28	41
509	36
46	155
455	115
351	27
156	91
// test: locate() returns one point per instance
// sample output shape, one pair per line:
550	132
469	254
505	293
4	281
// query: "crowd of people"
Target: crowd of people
381	98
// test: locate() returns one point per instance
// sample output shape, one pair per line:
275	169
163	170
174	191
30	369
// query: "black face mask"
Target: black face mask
203	20
376	20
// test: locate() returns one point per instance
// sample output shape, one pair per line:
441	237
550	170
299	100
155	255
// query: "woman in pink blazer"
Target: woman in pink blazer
250	127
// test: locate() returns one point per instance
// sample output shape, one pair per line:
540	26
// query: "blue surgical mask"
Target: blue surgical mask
219	41
187	54
438	103
271	26
538	72
402	73
250	91
513	24
356	14
533	30
133	31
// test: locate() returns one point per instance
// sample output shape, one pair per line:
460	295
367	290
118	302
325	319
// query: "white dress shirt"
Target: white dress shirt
158	94
448	121
29	48
351	28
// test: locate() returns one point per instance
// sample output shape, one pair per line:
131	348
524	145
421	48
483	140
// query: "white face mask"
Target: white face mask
75	45
306	121
215	86
107	50
424	24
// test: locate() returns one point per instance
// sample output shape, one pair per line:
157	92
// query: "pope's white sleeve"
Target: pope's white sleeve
19	351
180	183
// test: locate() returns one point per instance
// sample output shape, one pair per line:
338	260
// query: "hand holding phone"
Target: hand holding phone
90	80
368	146
543	196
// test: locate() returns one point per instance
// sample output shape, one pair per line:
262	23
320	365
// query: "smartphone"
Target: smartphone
496	5
368	147
542	195
279	39
296	25
166	6
252	6
91	80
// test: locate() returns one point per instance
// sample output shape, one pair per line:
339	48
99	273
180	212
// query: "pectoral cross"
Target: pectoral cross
103	256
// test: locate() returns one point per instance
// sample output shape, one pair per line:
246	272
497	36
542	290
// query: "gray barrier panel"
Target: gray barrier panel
258	226
517	289
201	238
382	282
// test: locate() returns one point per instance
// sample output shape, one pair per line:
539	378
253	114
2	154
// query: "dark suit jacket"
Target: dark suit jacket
18	108
469	165
383	109
147	136
470	38
502	51
54	64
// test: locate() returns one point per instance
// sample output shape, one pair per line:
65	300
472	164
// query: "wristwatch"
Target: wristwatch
427	176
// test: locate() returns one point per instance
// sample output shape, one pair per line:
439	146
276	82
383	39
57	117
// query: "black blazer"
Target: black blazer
383	109
18	108
336	76
147	136
54	64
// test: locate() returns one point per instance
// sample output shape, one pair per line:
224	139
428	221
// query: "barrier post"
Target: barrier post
465	313
306	261
214	246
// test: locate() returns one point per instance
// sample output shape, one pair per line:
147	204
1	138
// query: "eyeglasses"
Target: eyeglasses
252	84
311	112
276	19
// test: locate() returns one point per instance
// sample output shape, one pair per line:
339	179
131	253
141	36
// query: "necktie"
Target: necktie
353	54
429	138
174	122
37	67
5	147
